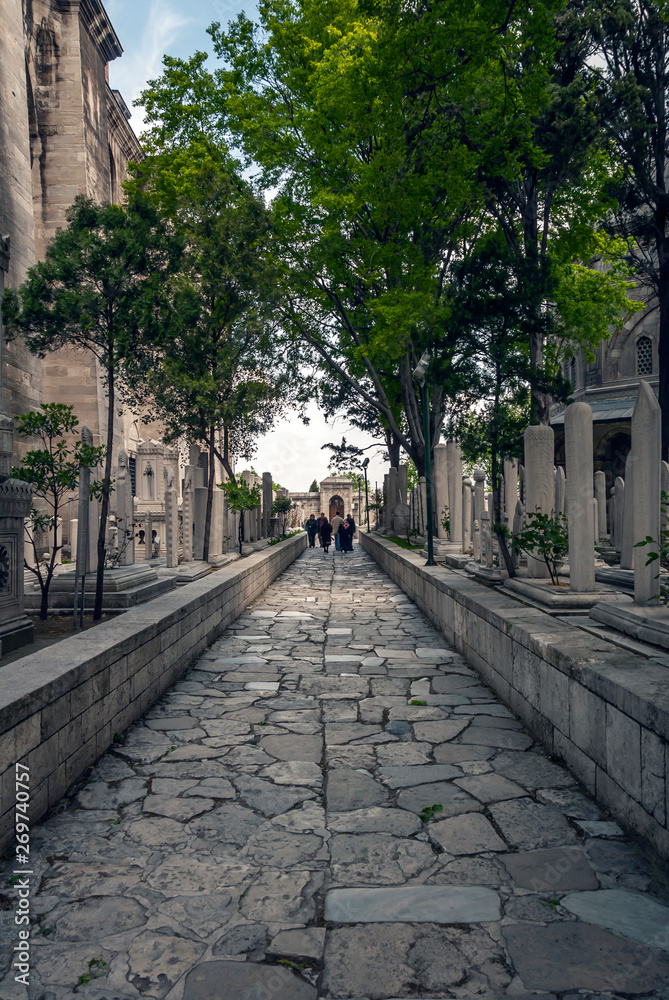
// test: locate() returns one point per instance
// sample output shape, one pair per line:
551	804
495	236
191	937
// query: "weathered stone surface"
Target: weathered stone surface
471	833
172	723
440	732
267	798
491	787
276	848
307	943
570	802
294	747
508	738
412	904
403	754
294	772
470	871
108	915
158	961
186	876
181	810
532	770
281	897
229	823
557	869
203	914
244	981
454	753
630	914
453	800
409	777
349	789
375	820
377	858
576	956
98	795
526	824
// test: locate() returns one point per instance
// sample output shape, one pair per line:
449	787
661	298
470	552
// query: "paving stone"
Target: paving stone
181	810
276	848
216	788
294	747
158	961
453	682
532	770
203	914
412	904
307	943
98	795
637	917
599	828
504	738
526	824
471	833
439	732
452	799
576	956
470	871
403	754
409	777
490	787
454	753
107	915
570	802
244	980
337	733
557	869
171	724
294	772
281	897
229	823
377	858
189	876
375	820
267	798
348	789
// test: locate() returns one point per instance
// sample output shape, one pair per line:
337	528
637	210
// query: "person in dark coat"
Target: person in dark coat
319	522
311	528
346	536
326	533
349	518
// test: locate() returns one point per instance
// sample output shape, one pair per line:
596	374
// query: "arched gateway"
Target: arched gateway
336	504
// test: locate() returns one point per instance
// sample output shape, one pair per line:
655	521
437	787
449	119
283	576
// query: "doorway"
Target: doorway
336	504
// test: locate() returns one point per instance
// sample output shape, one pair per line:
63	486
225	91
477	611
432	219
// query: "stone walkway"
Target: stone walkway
331	805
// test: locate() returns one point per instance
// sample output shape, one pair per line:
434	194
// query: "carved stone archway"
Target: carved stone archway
336	504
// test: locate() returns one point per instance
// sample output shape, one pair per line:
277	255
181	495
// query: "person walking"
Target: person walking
311	529
325	533
349	518
336	521
320	521
346	536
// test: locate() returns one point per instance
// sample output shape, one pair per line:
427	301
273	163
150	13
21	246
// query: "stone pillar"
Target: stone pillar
217	517
422	504
124	512
664	483
403	483
559	490
454	454
539	485
392	497
171	527
578	454
619	515
187	513
74	532
627	543
600	494
385	521
479	503
199	519
93	529
267	501
466	514
510	489
148	540
440	478
647	452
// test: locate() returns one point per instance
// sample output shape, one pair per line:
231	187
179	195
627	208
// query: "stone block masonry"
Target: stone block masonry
60	708
602	709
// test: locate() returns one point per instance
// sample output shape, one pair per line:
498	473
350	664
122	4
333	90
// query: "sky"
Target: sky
147	30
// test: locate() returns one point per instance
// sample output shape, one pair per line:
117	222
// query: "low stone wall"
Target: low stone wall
602	709
60	708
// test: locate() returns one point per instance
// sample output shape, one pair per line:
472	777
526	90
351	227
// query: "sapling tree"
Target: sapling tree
53	472
241	498
281	509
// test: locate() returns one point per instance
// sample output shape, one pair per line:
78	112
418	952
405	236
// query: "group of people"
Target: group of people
341	528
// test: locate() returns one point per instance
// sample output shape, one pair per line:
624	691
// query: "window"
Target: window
644	356
132	466
572	372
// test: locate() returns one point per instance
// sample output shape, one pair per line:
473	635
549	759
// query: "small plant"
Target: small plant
415	701
241	498
281	509
93	965
446	520
118	738
263	723
661	557
545	537
429	812
170	750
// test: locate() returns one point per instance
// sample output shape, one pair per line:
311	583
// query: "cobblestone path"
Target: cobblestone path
331	805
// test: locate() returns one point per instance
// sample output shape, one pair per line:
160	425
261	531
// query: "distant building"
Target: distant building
609	385
336	494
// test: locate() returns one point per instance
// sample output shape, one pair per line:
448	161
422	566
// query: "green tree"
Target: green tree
281	509
221	375
53	471
102	288
314	488
241	498
633	46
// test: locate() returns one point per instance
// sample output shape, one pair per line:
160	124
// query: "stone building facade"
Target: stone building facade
63	132
609	385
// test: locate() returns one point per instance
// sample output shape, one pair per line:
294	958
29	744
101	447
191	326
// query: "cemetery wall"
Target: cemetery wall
602	709
60	708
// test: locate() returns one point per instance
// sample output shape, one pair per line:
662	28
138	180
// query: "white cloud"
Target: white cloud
130	74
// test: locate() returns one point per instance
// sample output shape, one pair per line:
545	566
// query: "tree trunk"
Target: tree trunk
210	498
104	510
